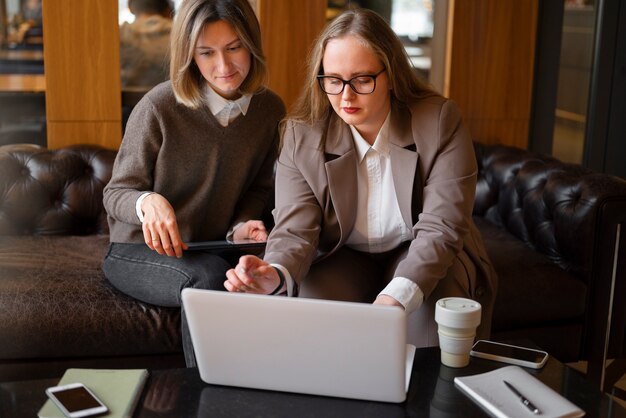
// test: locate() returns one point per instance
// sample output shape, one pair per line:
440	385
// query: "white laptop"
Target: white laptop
318	347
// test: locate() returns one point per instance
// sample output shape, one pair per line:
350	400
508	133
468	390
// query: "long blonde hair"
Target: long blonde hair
190	20
313	105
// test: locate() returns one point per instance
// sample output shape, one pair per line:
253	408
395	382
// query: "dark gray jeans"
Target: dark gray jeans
137	271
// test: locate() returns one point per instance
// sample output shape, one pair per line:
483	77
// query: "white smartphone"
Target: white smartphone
75	400
511	354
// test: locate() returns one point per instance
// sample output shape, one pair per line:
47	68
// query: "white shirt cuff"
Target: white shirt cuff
288	278
406	292
138	205
231	232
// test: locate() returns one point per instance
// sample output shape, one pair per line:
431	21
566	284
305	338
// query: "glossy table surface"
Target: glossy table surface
181	393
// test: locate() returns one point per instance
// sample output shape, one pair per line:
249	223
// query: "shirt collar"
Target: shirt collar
381	144
217	103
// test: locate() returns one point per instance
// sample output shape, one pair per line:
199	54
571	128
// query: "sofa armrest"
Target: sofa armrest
53	192
549	205
606	331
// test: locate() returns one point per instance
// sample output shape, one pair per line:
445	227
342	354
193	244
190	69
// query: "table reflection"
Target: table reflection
448	401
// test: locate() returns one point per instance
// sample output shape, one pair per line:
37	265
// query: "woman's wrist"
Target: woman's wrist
281	282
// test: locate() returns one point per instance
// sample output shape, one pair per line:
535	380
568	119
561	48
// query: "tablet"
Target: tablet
251	246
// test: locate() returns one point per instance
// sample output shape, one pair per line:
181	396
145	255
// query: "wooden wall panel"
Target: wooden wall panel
289	28
3	19
492	50
82	70
84	132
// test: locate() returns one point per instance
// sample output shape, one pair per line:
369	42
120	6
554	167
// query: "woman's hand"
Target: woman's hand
251	230
387	300
160	229
252	275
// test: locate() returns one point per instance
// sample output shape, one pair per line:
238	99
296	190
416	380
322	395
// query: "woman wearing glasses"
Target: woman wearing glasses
375	186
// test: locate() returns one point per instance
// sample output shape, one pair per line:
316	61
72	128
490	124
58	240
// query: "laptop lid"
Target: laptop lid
319	347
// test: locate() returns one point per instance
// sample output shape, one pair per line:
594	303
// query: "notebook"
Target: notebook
522	395
118	389
309	346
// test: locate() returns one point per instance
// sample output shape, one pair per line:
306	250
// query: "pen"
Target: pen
522	398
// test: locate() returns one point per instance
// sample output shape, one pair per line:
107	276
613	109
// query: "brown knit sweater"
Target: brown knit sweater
213	176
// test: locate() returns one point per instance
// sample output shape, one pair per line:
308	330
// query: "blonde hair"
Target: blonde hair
313	105
190	20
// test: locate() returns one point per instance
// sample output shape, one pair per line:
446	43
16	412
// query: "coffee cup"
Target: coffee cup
457	319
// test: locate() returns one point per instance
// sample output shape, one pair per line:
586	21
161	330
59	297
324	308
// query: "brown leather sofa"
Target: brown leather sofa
57	309
539	219
553	233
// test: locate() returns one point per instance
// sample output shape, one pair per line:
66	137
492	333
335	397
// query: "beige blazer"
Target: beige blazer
434	173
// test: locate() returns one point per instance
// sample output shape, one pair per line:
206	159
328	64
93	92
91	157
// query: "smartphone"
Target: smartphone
506	353
75	400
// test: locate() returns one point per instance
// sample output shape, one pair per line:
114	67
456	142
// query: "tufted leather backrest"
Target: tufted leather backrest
548	204
46	192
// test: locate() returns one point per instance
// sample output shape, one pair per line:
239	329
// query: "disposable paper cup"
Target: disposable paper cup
457	319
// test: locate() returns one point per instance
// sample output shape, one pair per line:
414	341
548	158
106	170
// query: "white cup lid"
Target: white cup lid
457	312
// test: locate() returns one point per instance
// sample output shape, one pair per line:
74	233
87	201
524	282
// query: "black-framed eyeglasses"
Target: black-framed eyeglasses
361	84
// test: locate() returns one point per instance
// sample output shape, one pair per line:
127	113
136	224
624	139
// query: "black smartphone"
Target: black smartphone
511	354
75	400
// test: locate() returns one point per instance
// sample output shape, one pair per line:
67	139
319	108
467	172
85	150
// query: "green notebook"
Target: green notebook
118	389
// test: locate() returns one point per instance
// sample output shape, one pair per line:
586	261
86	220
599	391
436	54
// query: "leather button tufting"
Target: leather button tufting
480	291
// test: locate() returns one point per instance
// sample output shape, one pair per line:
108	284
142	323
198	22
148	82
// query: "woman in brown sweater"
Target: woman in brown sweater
196	162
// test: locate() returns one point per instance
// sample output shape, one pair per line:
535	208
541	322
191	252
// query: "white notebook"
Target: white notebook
490	392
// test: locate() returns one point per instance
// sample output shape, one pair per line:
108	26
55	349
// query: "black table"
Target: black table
181	393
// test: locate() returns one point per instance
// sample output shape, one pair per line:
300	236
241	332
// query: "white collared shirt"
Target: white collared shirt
224	110
379	225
